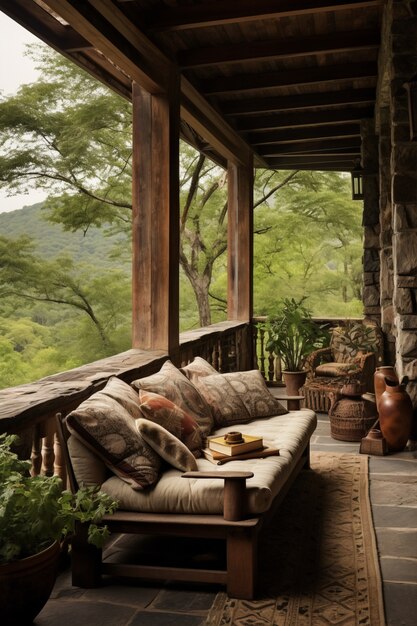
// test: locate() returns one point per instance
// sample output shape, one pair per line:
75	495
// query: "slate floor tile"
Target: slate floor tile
393	492
395	569
138	596
400	604
392	465
399	542
80	613
394	516
157	618
186	601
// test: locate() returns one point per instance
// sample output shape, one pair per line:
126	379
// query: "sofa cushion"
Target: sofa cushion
169	447
254	394
158	409
107	428
88	468
124	394
226	405
170	383
337	369
289	433
238	397
197	368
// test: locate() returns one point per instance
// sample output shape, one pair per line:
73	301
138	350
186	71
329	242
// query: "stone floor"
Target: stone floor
393	484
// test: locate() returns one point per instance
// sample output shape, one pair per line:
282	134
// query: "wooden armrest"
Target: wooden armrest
293	402
234	491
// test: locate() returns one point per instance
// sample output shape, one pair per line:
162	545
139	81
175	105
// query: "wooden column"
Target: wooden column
155	226
240	251
240	242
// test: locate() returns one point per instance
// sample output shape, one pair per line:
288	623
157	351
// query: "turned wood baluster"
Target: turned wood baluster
255	346
59	465
262	351
216	356
48	454
36	456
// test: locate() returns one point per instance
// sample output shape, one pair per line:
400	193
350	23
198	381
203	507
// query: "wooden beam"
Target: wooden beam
278	48
286	78
240	242
308	167
298	161
304	118
111	32
311	147
218	12
294	135
211	126
248	106
155	226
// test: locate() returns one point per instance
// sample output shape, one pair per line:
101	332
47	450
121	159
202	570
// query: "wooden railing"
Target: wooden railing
29	410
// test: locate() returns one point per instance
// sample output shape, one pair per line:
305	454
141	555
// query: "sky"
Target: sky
15	70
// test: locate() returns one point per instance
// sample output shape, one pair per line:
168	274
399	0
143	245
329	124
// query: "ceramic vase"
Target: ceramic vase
379	380
395	415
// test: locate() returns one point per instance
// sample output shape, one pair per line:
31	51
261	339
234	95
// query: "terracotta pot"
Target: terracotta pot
379	380
293	381
395	415
26	584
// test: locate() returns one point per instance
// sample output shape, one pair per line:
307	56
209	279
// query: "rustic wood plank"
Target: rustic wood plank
299	101
217	12
155	268
300	135
242	83
304	118
313	147
289	48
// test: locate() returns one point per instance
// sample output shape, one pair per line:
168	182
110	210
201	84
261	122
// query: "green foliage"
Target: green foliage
34	511
293	335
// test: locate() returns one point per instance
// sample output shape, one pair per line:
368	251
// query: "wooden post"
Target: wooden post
155	226
240	246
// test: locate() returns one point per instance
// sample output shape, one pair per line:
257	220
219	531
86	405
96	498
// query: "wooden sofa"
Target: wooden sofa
229	502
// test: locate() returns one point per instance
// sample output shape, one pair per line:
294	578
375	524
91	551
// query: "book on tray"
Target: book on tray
219	459
249	443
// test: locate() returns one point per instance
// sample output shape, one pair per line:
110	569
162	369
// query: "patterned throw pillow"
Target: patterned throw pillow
107	428
226	406
199	367
124	395
171	449
255	395
179	423
170	383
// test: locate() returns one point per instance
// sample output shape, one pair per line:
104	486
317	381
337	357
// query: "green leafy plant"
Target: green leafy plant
356	338
35	511
293	334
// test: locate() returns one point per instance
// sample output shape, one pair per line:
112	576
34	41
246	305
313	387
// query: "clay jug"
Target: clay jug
395	415
379	380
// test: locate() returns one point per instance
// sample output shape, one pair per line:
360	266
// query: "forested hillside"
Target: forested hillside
93	247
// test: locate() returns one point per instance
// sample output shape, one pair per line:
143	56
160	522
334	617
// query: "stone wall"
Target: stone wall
402	45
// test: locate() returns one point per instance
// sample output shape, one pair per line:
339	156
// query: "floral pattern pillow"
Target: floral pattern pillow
170	383
226	406
179	423
106	428
255	395
197	368
168	447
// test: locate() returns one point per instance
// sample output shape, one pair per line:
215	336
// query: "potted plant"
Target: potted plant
293	335
36	515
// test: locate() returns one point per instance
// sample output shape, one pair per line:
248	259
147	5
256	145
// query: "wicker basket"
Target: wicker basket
350	428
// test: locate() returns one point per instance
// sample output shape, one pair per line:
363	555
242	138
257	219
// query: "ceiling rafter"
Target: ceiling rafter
308	118
312	147
294	135
288	78
219	12
301	101
345	41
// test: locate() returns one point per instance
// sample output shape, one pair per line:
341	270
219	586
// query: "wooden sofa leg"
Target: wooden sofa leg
85	561
242	566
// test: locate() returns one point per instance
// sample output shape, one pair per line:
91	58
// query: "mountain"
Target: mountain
51	240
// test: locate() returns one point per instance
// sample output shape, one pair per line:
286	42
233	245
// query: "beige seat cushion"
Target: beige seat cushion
337	369
289	433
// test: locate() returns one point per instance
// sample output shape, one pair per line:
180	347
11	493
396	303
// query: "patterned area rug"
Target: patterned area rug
317	558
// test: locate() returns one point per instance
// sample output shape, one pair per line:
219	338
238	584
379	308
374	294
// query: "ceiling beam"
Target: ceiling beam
279	48
218	12
299	162
288	78
312	147
249	106
294	135
308	167
306	118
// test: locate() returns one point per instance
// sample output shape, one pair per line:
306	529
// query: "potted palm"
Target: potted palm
293	335
36	515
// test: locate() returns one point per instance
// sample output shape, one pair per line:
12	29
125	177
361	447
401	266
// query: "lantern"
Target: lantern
357	182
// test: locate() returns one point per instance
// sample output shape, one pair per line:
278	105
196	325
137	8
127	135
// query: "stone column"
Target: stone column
404	194
371	263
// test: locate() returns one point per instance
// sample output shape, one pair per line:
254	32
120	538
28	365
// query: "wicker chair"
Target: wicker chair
355	351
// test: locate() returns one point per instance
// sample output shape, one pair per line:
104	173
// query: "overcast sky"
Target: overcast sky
15	70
